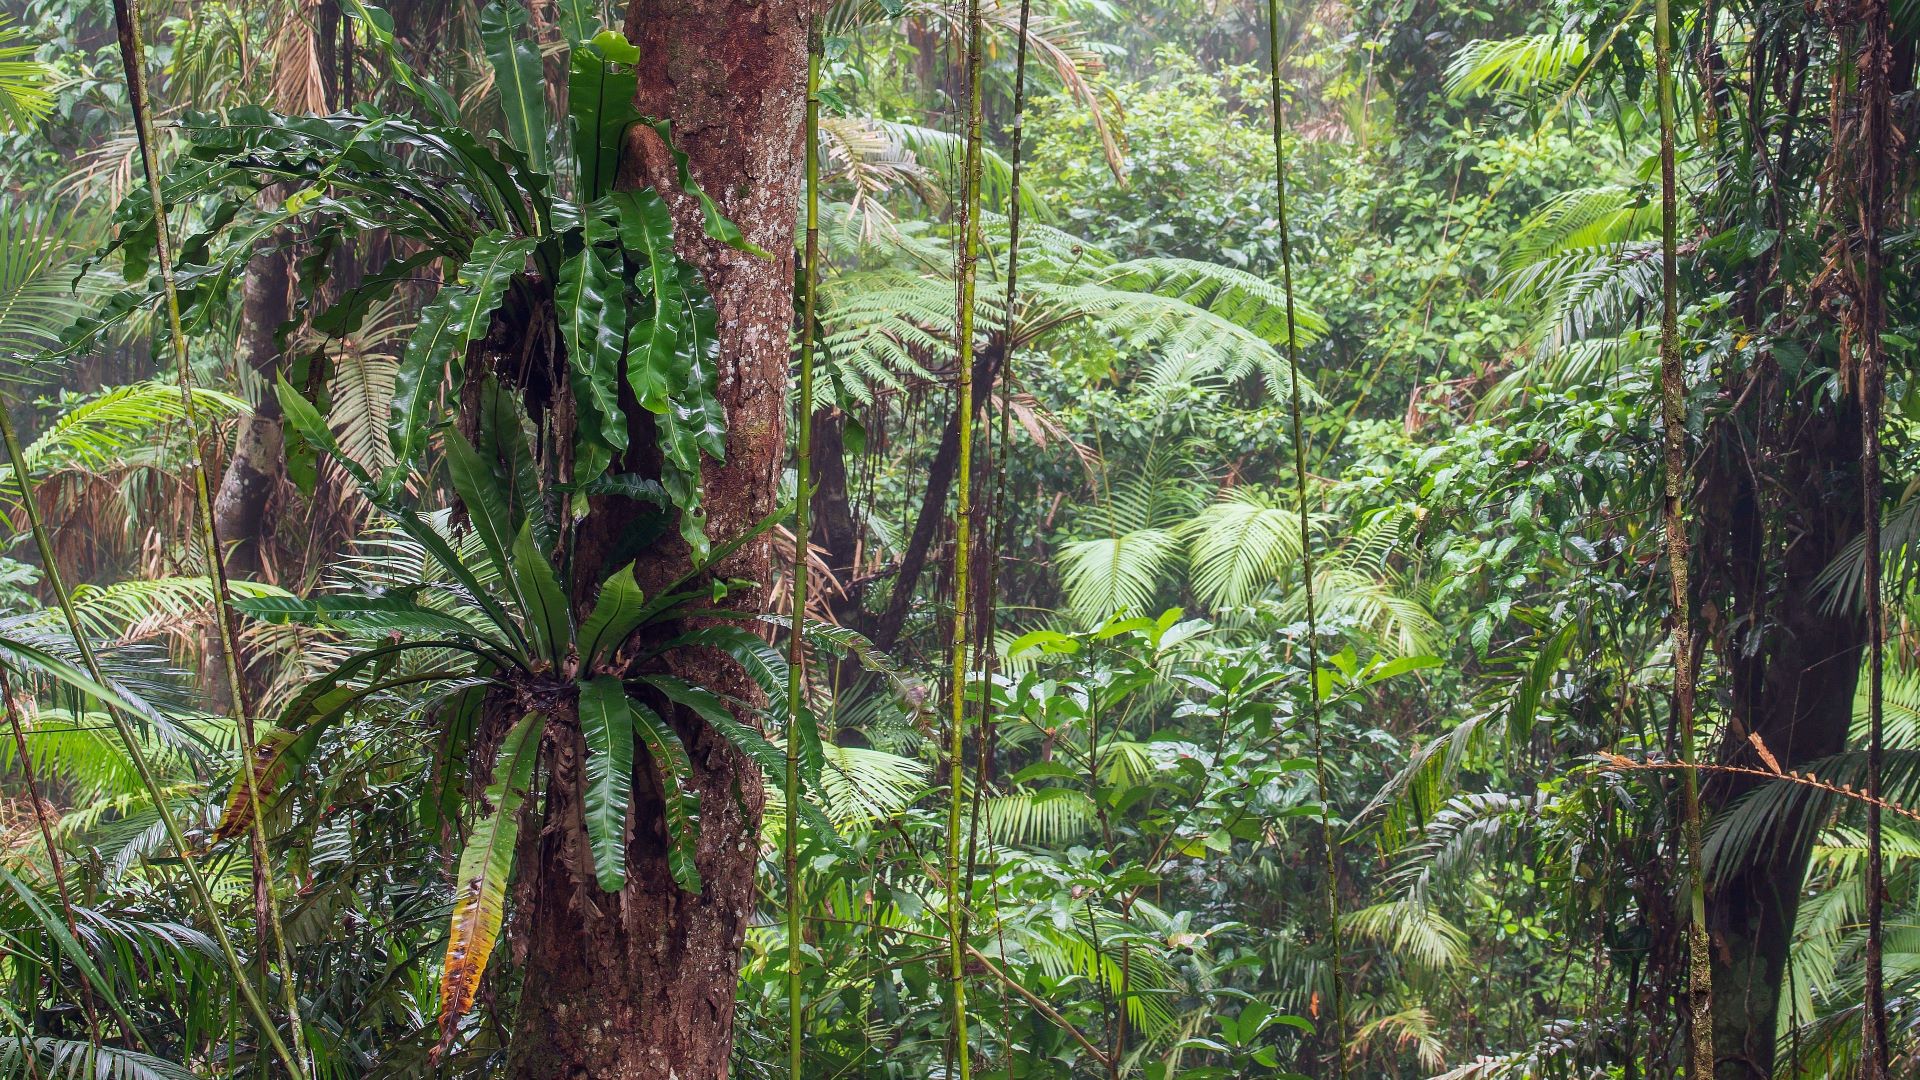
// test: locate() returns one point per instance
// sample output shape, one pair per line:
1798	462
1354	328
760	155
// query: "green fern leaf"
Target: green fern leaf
607	722
436	353
681	801
480	886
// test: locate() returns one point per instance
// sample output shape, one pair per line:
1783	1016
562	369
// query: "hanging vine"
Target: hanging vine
1873	137
1673	399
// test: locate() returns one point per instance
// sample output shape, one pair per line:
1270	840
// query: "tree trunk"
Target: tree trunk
254	470
836	530
933	506
1792	668
640	986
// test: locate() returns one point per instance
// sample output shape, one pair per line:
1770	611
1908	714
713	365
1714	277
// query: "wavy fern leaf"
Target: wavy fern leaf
480	885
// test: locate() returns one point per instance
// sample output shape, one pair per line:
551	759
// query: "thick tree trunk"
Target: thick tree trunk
640	986
254	470
1792	669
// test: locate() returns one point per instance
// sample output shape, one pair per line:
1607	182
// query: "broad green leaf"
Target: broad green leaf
771	761
617	612
804	732
698	407
600	90
436	353
607	722
505	435
305	419
628	485
480	886
655	369
709	707
301	414
350	612
717	225
346	315
442	552
579	19
682	802
544	604
761	661
592	302
446	778
518	79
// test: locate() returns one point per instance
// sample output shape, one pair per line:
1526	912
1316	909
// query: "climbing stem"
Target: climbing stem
1315	720
803	469
962	549
1873	170
1673	398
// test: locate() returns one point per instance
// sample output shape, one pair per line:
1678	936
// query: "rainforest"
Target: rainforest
960	539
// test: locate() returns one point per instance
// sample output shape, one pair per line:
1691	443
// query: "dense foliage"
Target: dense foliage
1369	768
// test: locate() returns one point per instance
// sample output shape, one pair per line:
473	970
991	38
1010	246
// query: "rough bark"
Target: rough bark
640	986
254	470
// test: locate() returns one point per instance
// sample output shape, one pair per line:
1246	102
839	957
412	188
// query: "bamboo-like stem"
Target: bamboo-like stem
1673	402
802	466
127	23
989	618
1314	718
962	553
1875	142
196	880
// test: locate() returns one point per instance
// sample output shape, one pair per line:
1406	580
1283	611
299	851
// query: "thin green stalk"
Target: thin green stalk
127	21
987	739
1314	718
196	881
1875	134
1673	384
990	617
962	547
802	522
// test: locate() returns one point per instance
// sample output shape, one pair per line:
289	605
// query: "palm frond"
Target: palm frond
1241	545
1116	573
1521	65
